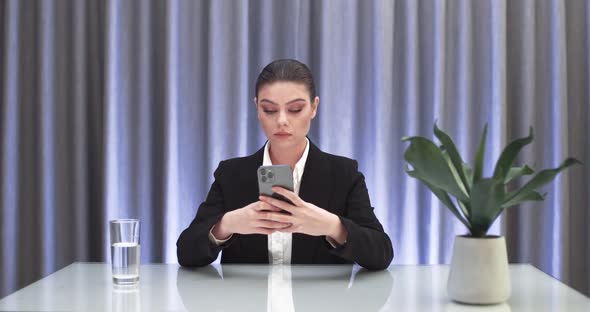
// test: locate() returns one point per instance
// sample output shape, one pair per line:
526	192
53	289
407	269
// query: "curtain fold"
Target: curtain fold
114	109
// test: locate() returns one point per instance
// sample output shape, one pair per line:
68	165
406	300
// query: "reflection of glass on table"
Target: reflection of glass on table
126	298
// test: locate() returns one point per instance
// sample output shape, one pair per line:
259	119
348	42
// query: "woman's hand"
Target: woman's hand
252	219
305	217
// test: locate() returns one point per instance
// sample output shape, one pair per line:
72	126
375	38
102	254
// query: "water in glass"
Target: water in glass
125	263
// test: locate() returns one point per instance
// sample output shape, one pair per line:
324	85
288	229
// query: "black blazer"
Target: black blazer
330	182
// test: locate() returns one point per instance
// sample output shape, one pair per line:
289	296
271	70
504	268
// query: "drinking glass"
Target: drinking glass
125	250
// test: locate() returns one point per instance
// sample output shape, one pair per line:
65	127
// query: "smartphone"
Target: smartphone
278	175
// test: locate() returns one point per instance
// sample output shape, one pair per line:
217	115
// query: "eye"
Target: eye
269	111
295	110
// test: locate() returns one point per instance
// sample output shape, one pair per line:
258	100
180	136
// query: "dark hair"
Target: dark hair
286	70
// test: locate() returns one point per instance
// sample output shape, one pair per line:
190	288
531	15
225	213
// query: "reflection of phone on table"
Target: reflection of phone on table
278	175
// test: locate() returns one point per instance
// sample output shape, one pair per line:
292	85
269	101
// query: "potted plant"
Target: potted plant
479	264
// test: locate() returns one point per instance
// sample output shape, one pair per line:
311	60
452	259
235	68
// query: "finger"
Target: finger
262	206
290	229
277	216
294	198
273	209
263	230
269	224
278	203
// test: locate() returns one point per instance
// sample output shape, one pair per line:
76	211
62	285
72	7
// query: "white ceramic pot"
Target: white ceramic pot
479	270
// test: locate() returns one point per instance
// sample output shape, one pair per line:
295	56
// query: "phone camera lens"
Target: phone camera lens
262	171
270	174
263	178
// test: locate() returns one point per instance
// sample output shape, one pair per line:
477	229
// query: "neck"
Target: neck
287	156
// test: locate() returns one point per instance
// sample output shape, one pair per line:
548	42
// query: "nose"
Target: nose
282	120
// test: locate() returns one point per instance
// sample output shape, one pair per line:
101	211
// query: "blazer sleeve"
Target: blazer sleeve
193	247
367	244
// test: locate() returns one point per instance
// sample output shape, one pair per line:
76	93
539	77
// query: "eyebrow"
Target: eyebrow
273	103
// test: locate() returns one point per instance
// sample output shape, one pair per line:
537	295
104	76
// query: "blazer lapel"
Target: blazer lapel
315	183
316	189
256	245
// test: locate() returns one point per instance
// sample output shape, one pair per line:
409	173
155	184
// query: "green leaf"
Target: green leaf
429	163
465	208
453	170
451	149
441	195
468	174
487	196
516	172
479	157
531	195
509	155
540	179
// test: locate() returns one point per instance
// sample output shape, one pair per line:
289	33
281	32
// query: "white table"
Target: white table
88	287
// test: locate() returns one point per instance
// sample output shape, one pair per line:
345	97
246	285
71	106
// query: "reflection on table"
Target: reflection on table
313	288
89	287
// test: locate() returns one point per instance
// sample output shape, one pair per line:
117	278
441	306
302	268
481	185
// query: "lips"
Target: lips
283	134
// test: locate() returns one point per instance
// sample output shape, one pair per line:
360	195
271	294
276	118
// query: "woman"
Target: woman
330	220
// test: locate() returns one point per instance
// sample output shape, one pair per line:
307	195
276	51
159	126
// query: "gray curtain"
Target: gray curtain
114	109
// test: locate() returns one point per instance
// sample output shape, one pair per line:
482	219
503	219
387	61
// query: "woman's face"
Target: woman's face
285	112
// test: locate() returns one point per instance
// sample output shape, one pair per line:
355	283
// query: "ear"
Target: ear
314	106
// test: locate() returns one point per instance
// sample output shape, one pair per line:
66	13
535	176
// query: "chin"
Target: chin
290	142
